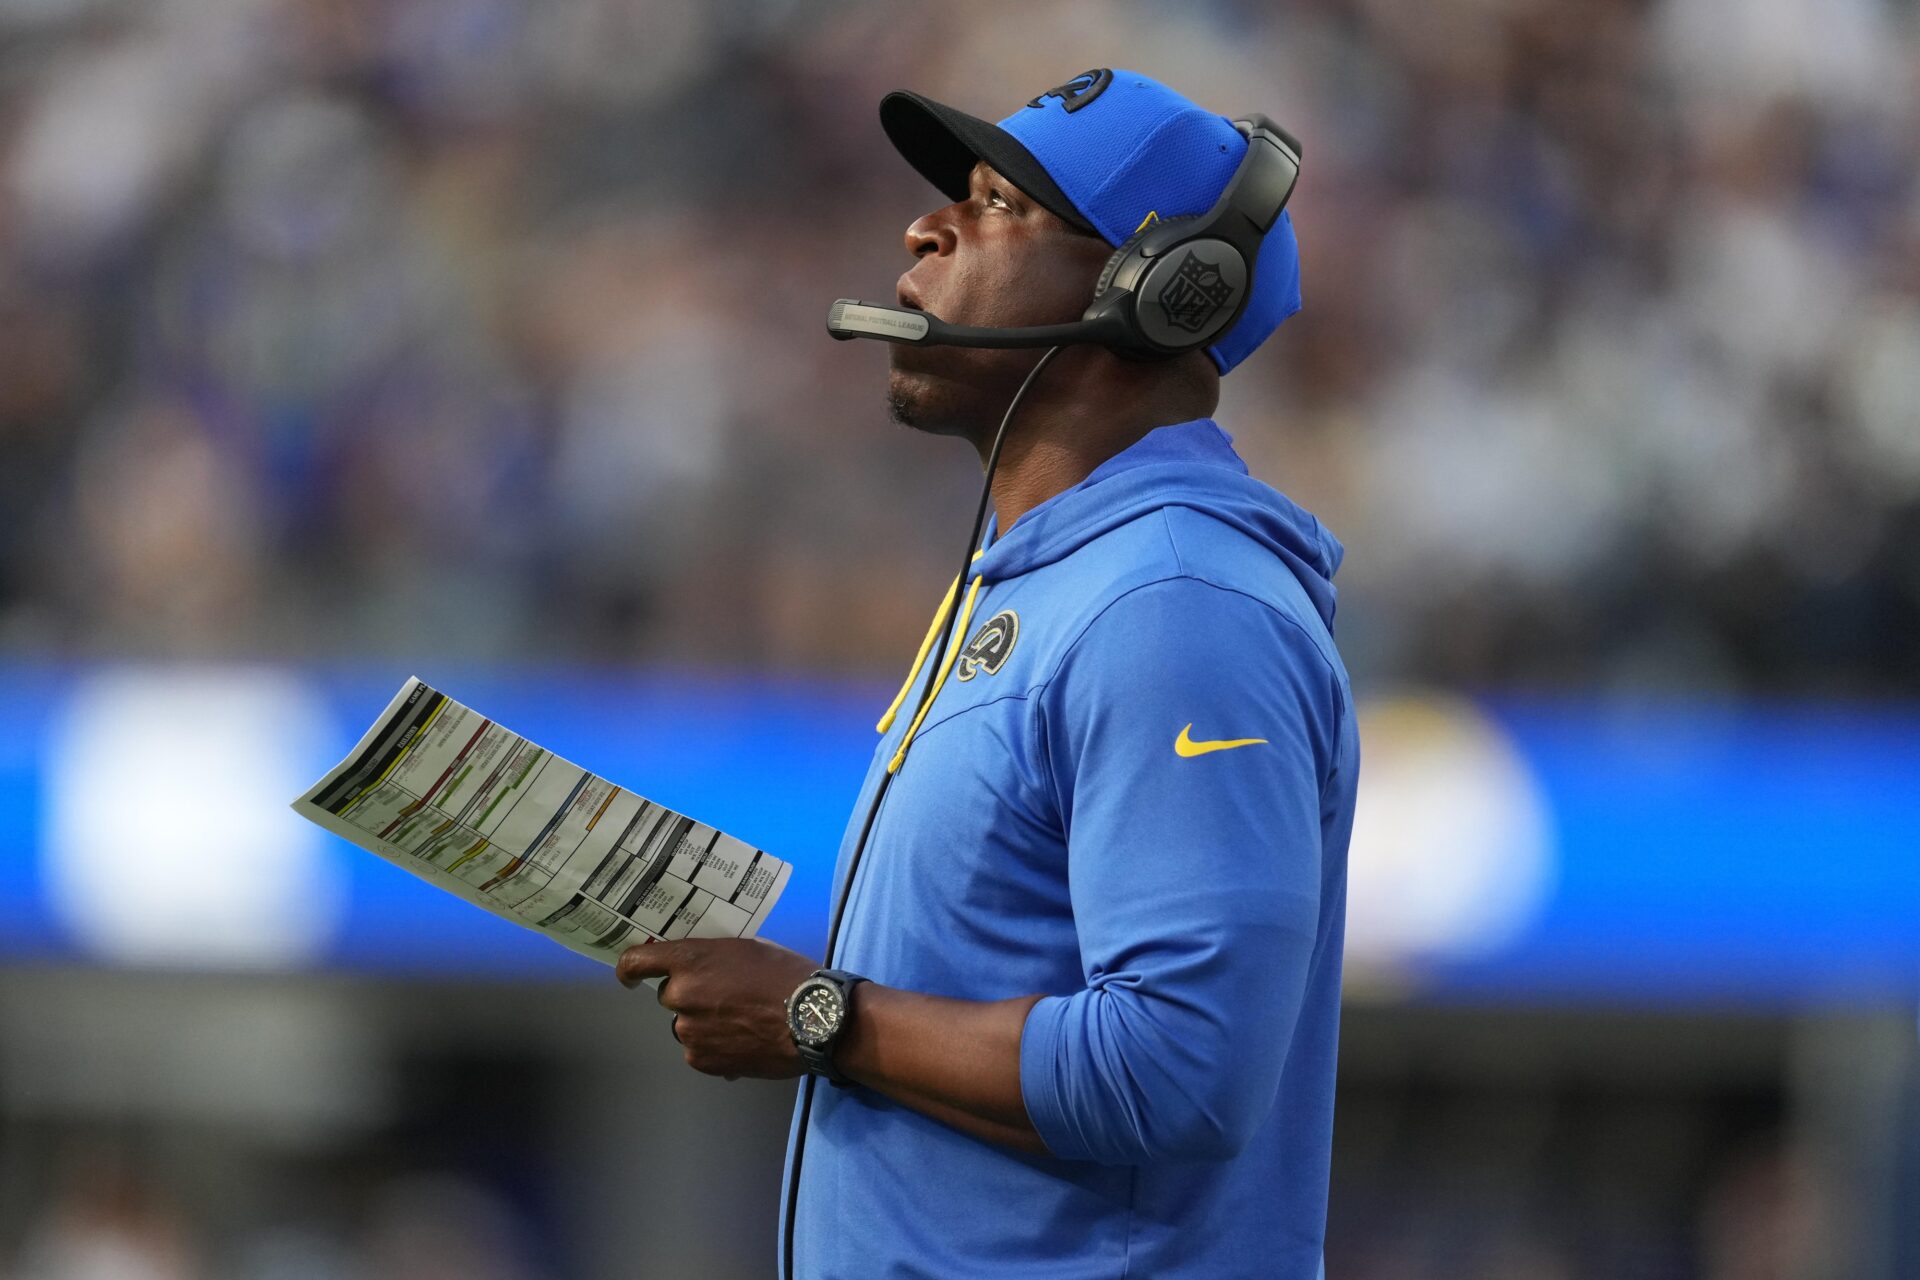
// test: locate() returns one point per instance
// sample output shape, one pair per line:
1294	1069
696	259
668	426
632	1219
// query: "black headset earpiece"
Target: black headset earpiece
1120	254
1177	284
1173	288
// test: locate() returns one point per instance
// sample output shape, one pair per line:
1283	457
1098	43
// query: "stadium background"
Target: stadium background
342	340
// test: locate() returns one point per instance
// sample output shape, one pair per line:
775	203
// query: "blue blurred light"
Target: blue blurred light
1704	853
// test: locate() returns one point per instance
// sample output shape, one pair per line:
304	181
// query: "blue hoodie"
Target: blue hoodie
1132	792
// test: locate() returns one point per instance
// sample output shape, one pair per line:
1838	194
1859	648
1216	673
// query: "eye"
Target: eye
993	194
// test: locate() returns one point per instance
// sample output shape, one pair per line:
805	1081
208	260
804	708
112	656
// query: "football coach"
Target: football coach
1081	999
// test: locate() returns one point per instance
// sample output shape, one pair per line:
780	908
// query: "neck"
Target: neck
1060	434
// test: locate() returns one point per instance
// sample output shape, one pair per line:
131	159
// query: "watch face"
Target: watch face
817	1013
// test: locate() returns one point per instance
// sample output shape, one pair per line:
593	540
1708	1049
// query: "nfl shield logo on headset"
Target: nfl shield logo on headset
1195	294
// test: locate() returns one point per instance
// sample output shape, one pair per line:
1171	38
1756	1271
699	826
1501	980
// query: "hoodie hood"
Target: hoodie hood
1188	464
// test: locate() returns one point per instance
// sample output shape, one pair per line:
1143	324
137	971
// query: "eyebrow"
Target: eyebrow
989	176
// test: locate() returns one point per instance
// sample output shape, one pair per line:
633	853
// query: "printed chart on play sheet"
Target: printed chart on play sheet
475	808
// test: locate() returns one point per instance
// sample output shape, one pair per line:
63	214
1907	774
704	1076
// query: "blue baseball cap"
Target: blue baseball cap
1109	152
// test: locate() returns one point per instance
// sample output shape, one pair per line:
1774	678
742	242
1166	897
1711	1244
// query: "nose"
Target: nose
929	233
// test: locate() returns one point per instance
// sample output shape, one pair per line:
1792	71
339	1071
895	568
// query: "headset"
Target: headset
1175	285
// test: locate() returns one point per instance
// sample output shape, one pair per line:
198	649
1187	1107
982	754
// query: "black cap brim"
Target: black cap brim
944	144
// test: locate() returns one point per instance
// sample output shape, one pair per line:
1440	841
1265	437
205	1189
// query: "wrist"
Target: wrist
857	1056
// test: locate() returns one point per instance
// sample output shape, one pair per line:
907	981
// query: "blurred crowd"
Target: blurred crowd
485	330
113	1217
1457	1209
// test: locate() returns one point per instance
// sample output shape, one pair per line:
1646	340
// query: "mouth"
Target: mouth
905	295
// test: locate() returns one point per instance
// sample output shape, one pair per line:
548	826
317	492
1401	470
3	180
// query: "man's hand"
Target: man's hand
956	1061
729	996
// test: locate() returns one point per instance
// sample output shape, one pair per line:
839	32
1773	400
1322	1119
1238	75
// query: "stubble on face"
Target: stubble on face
911	402
903	405
926	401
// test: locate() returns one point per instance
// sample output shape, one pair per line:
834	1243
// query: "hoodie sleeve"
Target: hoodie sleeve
1187	734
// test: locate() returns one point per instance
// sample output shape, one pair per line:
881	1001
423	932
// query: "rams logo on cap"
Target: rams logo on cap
991	644
1079	91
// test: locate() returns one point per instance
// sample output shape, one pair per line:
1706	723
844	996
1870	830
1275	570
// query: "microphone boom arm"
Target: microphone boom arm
848	318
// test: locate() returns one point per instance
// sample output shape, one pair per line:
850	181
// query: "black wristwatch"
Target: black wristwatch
817	1016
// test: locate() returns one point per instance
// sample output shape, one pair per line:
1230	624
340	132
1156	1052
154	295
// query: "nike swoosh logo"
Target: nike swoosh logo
1185	746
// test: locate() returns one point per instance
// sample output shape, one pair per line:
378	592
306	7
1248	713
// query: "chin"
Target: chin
916	400
945	391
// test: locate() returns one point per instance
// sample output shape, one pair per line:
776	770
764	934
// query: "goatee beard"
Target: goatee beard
901	408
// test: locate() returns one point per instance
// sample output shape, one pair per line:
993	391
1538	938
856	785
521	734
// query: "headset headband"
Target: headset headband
1263	182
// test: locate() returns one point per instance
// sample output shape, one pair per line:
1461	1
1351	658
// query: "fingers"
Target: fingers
704	983
650	959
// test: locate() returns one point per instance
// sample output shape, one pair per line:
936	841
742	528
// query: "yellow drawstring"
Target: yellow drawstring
926	647
946	665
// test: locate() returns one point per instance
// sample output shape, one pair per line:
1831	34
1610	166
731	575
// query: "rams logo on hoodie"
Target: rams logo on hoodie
991	644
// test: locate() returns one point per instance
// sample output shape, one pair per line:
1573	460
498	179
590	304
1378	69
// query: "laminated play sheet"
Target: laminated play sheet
469	805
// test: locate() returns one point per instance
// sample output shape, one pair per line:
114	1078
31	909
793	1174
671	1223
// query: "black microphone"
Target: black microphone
850	319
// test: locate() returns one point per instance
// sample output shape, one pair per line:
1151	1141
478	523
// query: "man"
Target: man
1100	911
